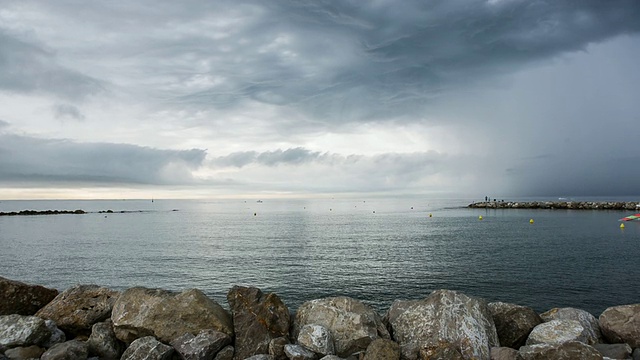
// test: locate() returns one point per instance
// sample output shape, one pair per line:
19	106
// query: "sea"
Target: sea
376	250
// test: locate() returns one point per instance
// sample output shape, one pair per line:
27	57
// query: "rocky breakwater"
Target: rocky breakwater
552	205
92	322
42	212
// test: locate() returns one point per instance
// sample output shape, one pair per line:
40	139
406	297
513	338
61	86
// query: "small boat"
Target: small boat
259	201
631	217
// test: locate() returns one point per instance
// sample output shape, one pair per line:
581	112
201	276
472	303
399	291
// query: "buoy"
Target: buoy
531	221
254	214
374	211
621	226
430	215
480	217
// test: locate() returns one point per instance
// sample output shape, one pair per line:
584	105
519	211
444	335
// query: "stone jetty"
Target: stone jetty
566	205
42	212
93	322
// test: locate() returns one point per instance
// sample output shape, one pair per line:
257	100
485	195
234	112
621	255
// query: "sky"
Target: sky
199	99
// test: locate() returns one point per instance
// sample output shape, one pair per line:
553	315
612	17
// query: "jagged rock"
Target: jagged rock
257	319
557	332
444	316
260	357
225	354
636	354
571	350
614	351
503	353
202	347
441	350
57	335
276	348
332	357
103	342
23	299
140	312
21	330
298	352
513	323
19	353
317	338
76	309
621	324
70	350
352	324
147	348
588	321
382	349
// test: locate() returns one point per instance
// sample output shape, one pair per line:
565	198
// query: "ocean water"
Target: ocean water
375	250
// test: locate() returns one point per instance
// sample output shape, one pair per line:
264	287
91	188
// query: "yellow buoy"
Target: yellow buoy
430	215
480	217
621	226
531	221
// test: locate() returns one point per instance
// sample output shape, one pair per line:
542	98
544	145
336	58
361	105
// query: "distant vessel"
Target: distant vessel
259	201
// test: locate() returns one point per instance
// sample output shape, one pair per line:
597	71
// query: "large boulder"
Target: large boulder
299	352
614	351
276	348
76	309
103	342
202	347
621	324
588	321
70	350
352	324
557	332
28	352
147	348
23	299
444	317
503	353
513	323
19	330
572	350
258	318
167	315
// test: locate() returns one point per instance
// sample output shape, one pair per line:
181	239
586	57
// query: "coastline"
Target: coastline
558	205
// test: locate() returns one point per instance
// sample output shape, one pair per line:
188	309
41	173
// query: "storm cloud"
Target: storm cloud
512	97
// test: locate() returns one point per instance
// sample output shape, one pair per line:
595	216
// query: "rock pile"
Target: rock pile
92	322
570	205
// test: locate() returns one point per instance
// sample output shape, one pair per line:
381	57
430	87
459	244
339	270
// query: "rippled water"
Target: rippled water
375	250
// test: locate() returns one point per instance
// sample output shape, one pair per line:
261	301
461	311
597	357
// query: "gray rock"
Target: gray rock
443	317
332	357
57	335
257	319
636	354
382	349
21	330
103	342
147	348
614	351
352	324
621	324
588	321
20	353
75	310
298	352
276	348
557	332
503	353
141	312
70	350
572	350
202	347
513	323
260	357
225	354
23	299
317	338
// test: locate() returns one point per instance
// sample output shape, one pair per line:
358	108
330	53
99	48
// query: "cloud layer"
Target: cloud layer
503	96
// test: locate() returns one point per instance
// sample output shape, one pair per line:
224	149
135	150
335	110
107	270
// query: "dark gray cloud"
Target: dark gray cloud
27	67
32	160
66	111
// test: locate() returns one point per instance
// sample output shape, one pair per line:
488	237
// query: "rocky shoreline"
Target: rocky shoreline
93	322
42	212
552	205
